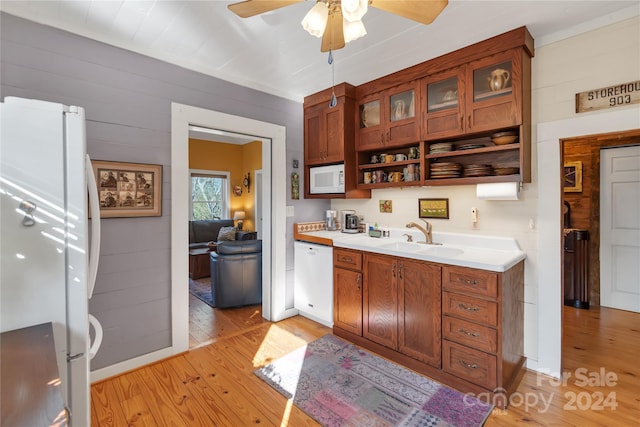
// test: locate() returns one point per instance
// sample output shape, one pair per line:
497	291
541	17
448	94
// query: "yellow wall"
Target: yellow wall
238	160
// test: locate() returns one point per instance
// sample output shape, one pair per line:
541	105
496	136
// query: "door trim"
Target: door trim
274	209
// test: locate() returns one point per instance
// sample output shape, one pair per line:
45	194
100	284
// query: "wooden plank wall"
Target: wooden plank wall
585	206
127	98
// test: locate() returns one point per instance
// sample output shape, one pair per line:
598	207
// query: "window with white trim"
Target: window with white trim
209	194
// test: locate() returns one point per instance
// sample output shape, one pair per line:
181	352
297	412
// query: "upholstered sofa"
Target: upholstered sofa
236	273
201	232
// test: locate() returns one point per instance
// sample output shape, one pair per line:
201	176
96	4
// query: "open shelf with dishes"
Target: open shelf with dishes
496	157
394	167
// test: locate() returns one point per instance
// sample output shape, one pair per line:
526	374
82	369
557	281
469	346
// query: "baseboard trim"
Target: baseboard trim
131	364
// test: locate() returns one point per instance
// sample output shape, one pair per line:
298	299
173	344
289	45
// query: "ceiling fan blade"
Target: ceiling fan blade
248	8
333	37
423	11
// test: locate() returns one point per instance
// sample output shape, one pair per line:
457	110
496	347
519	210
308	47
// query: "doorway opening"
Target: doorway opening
583	268
225	170
273	210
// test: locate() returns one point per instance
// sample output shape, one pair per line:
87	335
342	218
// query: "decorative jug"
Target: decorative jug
499	79
399	110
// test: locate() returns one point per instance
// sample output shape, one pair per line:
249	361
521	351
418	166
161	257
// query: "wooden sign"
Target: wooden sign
608	97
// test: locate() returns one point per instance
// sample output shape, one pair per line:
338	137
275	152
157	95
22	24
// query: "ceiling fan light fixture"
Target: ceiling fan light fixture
354	10
315	21
352	30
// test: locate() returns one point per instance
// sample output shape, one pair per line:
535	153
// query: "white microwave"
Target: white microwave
326	179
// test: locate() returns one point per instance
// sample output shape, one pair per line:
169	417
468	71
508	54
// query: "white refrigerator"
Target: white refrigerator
49	247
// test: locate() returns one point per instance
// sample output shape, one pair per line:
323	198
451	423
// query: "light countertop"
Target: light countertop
466	250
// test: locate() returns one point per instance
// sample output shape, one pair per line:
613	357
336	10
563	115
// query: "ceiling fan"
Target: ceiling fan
339	21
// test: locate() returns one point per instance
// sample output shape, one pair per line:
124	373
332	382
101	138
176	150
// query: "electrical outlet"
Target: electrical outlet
474	215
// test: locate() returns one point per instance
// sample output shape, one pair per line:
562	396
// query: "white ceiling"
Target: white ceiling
272	53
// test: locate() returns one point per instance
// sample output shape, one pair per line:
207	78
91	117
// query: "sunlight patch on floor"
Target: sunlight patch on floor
276	343
287	413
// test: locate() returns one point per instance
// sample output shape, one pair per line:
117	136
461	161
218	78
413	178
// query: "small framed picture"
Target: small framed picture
128	189
433	208
386	206
573	177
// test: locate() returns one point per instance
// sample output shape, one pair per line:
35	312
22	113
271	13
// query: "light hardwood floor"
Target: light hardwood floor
214	385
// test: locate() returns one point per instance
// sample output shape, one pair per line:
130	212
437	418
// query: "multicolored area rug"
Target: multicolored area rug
339	384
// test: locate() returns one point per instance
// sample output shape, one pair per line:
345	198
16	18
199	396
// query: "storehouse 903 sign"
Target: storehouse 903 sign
608	97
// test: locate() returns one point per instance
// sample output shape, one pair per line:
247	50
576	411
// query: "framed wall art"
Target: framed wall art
572	177
433	208
128	189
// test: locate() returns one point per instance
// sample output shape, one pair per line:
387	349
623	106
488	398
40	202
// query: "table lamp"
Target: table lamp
239	216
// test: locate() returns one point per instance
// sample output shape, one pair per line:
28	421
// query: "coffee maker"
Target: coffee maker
330	219
350	222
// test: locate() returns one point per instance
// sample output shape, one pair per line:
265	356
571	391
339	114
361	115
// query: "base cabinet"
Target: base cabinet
419	311
347	292
401	306
461	326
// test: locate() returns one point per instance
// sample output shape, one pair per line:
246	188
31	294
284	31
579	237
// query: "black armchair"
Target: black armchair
236	273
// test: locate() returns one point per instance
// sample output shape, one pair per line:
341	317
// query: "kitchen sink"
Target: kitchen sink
402	246
440	251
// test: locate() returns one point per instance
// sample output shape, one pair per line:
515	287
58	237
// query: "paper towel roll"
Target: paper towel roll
498	191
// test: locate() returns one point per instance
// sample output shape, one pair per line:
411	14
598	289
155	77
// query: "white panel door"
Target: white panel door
620	228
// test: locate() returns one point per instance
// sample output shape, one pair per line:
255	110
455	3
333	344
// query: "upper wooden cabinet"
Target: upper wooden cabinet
462	99
329	138
494	95
324	128
480	96
389	118
458	100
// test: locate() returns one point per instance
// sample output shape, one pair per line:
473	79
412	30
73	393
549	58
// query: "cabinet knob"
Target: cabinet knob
468	365
471	334
467	308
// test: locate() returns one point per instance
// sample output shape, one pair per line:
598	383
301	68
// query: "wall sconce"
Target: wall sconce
247	182
239	216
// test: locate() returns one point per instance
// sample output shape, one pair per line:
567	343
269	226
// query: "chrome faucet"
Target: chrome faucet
425	230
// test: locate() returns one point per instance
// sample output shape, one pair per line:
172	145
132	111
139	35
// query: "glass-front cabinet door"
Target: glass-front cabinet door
371	128
495	84
401	113
443	104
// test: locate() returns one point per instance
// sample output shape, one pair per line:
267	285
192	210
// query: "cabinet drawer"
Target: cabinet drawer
472	365
348	259
469	280
474	309
470	334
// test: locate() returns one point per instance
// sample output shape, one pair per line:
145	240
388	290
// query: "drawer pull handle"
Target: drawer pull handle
466	308
358	282
467	281
468	365
471	334
347	259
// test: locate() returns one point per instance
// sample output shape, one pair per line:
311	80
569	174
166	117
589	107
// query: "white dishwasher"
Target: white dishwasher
313	292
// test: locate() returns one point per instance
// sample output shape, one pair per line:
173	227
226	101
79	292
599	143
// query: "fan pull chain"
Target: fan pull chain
334	100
